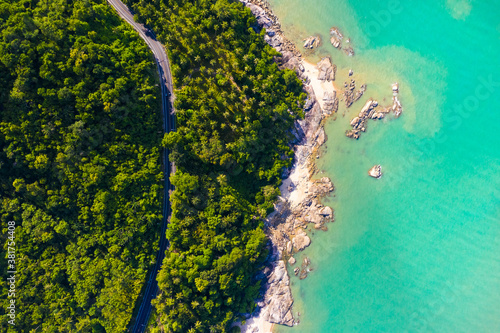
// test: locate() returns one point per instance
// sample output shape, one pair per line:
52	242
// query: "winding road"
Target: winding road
163	67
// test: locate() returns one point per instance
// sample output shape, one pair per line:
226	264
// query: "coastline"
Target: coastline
300	201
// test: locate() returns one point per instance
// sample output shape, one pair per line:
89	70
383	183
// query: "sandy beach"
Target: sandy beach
257	325
319	87
294	196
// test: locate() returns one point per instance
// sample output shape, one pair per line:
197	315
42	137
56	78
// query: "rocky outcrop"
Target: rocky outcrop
336	37
267	20
326	70
300	202
397	108
330	102
301	241
372	110
359	123
350	95
312	42
289	222
349	51
278	298
375	171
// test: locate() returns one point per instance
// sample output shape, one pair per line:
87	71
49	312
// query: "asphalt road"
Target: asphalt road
163	67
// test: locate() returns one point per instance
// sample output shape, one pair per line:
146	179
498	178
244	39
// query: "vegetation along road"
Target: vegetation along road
163	65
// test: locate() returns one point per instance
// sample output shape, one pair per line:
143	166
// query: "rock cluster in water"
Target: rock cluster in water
350	94
326	70
336	38
288	227
372	110
375	171
312	42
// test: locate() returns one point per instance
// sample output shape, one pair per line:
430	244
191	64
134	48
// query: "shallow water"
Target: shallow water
419	249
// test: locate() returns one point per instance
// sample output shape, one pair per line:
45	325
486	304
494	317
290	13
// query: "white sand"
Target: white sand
256	325
319	87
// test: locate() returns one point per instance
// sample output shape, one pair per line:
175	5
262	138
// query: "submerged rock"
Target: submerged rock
336	37
301	241
326	212
349	51
312	42
375	171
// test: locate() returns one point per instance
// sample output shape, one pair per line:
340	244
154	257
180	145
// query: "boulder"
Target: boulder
326	70
336	37
326	212
349	51
292	261
395	88
375	171
330	103
321	137
278	297
301	241
312	42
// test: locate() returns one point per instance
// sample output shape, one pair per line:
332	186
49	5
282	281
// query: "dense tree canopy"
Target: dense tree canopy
234	110
80	169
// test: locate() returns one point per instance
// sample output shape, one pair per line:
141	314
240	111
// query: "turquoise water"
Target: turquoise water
419	249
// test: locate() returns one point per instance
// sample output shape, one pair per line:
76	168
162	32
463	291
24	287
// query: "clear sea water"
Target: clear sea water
419	249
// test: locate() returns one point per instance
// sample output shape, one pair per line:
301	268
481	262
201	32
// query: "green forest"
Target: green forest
234	111
80	169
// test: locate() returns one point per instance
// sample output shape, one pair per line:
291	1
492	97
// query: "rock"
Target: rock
263	19
359	123
396	106
352	134
350	95
336	37
296	270
326	70
321	137
309	104
312	42
278	297
314	218
355	121
351	72
375	171
289	247
301	241
330	103
395	87
306	261
292	261
349	51
326	212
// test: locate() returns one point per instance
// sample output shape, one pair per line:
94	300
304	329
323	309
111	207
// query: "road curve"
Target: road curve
163	67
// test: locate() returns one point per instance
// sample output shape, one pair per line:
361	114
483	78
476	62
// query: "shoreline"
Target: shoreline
300	201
